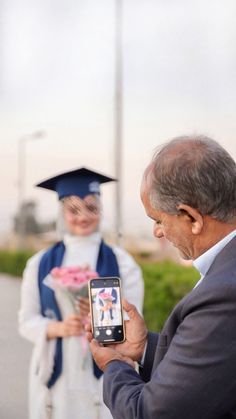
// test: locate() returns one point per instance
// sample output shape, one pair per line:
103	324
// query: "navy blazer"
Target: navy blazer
190	367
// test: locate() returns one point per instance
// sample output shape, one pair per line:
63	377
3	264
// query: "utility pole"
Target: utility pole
118	117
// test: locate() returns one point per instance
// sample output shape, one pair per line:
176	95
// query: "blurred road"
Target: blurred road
14	353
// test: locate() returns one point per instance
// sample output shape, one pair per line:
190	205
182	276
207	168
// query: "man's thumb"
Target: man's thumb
94	345
130	309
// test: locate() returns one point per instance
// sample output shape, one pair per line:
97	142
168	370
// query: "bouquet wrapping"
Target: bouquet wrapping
69	283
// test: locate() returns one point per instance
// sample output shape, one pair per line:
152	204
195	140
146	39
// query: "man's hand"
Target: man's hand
136	336
105	354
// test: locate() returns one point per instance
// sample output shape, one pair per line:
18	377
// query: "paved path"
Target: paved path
14	353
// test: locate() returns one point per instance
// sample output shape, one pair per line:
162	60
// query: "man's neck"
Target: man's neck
213	231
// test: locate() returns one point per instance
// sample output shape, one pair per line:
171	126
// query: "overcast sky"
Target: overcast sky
57	75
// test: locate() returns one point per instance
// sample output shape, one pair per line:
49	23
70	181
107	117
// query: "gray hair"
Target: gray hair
196	171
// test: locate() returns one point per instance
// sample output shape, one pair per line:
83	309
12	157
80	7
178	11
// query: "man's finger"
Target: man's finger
95	345
130	309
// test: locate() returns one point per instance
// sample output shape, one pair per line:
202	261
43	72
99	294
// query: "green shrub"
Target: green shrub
13	263
165	284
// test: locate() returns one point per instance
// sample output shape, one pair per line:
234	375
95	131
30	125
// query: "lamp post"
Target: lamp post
21	181
118	117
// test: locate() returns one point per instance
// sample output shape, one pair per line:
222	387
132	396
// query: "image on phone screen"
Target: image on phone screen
106	310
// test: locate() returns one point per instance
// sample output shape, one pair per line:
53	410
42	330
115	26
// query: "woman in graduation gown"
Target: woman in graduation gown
64	381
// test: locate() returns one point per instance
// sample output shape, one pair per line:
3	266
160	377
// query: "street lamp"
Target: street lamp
21	180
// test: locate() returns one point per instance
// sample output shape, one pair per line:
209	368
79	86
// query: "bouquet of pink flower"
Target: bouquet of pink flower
72	280
69	283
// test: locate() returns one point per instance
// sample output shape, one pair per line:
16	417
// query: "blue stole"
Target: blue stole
106	266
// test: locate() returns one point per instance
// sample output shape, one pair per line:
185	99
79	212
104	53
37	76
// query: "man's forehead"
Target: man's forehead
145	194
146	181
148	171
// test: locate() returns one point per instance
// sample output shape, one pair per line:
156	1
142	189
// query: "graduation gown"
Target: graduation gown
76	393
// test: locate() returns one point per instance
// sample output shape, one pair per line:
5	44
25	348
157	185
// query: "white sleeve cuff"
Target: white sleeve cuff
141	362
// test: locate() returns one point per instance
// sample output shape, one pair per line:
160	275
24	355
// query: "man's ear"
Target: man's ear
194	215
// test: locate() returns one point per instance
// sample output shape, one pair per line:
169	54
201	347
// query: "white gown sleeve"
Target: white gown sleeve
32	325
131	278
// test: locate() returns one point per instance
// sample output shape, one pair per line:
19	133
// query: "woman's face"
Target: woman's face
82	216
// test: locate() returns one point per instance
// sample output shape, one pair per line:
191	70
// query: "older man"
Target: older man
189	369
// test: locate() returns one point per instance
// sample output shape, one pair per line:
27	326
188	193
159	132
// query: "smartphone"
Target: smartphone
106	310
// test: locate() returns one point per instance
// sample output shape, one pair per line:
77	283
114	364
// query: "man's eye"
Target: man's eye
158	222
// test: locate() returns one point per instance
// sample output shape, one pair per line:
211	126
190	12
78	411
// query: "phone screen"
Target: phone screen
106	310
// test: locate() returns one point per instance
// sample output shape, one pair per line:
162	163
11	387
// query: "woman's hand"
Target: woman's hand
73	325
82	305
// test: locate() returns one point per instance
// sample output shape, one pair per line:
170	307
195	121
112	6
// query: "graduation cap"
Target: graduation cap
80	182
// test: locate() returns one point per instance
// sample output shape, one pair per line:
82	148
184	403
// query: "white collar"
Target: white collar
203	262
82	240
